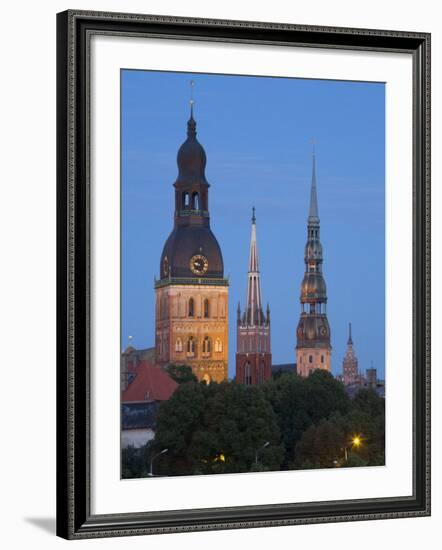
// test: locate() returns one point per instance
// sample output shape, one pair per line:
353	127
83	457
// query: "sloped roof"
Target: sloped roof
151	383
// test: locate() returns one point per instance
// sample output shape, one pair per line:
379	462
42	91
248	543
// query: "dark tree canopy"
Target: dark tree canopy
286	423
181	373
217	428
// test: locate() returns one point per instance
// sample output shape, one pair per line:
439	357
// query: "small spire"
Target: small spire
191	124
253	215
350	341
313	211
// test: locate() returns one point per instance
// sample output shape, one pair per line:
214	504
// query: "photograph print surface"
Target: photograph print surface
252	274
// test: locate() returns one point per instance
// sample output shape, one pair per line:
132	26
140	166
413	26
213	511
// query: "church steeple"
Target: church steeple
191	185
350	372
254	312
313	332
253	355
191	310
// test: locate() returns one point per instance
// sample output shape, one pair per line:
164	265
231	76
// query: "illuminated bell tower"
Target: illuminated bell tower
192	294
313	349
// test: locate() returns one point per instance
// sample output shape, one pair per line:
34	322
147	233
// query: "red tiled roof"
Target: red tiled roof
150	384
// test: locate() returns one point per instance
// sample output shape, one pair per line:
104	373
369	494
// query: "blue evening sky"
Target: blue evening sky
257	133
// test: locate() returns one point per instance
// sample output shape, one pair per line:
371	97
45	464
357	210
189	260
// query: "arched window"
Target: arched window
207	346
310	358
195	201
218	345
179	345
322	358
191	307
186	200
206	308
191	346
247	374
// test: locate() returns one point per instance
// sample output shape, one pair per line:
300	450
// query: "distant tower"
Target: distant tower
350	364
253	352
372	377
192	292
313	349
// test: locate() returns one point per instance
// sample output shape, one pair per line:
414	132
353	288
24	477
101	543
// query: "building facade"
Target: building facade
192	293
350	373
253	349
313	349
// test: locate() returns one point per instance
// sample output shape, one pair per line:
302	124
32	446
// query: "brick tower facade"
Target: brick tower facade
192	293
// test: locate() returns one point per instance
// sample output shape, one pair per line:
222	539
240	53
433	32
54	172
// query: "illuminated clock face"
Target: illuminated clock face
199	264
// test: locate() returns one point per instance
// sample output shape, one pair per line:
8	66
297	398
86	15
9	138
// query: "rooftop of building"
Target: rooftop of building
151	383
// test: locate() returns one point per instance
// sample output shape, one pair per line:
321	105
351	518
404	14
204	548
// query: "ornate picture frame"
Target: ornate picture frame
75	519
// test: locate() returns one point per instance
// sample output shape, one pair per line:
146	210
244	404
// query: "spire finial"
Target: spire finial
313	211
191	124
350	341
191	101
253	215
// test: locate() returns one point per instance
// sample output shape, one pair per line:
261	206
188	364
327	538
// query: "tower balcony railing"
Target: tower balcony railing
193	212
207	281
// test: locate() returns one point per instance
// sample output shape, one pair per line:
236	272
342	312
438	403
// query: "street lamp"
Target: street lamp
153	458
266	444
356	441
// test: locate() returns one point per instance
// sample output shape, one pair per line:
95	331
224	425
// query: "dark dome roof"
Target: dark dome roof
187	241
313	331
313	288
191	158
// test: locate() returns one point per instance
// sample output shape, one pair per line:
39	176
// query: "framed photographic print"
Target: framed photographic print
243	274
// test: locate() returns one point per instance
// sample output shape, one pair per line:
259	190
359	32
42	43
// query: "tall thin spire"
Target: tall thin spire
253	305
313	211
350	341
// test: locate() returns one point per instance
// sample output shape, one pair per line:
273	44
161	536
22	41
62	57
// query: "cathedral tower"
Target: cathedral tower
253	353
350	363
192	293
313	349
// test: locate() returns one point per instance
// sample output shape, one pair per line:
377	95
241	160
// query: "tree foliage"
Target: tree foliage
223	428
181	373
217	429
